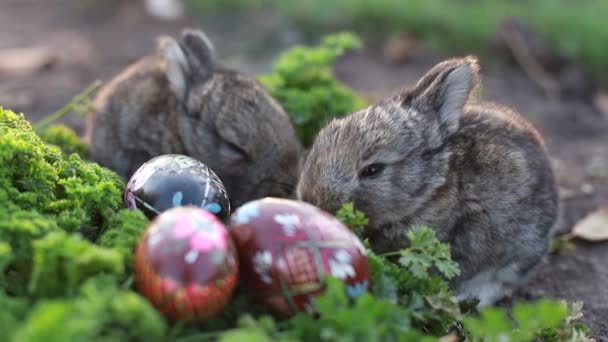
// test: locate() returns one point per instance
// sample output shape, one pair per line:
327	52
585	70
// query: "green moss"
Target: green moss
6	255
66	139
122	234
63	262
13	312
78	195
89	196
41	191
55	282
29	174
100	312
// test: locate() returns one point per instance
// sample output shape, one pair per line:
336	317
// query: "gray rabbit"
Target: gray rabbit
181	100
477	173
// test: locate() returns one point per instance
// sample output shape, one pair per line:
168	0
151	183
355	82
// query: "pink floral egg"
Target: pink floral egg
186	264
287	248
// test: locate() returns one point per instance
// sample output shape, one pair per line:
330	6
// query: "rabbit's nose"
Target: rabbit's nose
328	200
326	195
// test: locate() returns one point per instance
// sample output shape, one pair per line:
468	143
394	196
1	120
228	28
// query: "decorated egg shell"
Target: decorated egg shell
186	264
174	180
287	248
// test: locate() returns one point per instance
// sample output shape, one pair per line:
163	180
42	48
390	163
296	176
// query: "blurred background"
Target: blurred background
548	59
52	49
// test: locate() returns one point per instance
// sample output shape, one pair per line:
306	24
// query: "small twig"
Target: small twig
570	236
531	66
128	283
390	254
68	108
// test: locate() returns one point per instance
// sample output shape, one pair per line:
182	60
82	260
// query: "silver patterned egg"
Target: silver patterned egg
174	180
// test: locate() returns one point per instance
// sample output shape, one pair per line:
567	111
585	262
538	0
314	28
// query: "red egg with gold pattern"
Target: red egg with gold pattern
186	265
287	248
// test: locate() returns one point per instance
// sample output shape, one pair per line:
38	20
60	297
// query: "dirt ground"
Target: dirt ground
90	43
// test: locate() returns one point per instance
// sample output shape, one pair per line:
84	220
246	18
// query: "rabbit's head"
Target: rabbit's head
389	158
228	121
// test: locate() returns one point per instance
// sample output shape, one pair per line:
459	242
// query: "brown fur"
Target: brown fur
477	173
182	101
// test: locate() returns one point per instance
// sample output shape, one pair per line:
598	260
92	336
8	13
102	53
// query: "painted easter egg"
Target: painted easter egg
287	248
174	180
186	264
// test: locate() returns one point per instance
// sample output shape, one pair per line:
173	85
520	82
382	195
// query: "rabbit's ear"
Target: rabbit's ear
177	66
445	90
189	61
200	54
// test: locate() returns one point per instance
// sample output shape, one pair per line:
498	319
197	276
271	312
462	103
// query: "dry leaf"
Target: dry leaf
400	49
600	100
452	337
165	9
565	193
594	227
598	169
26	60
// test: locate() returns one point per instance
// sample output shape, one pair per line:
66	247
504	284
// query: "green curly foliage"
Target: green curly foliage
100	312
426	252
570	329
53	207
13	312
352	218
90	196
19	228
73	194
263	329
29	174
63	262
426	296
303	82
410	306
41	191
408	281
400	306
528	319
6	255
122	234
367	319
66	139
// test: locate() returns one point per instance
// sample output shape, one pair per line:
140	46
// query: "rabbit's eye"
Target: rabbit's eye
235	150
371	170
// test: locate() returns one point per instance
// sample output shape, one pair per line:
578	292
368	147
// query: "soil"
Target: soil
91	41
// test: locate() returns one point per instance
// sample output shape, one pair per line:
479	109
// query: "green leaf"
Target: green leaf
302	81
529	320
426	251
367	318
352	218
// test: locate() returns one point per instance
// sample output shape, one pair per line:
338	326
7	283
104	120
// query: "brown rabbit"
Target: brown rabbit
478	174
182	101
